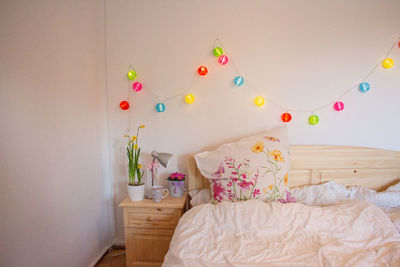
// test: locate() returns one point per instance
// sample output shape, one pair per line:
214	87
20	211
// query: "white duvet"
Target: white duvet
253	233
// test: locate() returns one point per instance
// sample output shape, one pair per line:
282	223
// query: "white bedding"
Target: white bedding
331	193
254	233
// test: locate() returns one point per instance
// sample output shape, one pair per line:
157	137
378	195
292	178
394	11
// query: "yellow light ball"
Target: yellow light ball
259	101
387	63
189	98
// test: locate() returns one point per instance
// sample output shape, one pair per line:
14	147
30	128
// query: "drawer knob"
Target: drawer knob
149	219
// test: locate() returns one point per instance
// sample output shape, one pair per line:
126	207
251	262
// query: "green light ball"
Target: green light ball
131	75
313	119
218	51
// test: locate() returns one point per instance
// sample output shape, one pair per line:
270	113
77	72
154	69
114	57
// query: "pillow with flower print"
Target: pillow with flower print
254	167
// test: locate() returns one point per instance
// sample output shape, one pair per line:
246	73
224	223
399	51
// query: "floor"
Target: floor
113	258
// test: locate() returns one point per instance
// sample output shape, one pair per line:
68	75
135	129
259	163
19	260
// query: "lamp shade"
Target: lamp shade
163	158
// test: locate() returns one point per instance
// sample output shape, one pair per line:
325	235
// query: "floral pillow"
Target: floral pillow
254	167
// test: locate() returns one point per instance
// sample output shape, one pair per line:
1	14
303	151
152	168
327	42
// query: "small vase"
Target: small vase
136	192
176	188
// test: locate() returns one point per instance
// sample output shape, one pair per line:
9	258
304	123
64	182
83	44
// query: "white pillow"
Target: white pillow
320	195
253	167
394	188
389	198
331	193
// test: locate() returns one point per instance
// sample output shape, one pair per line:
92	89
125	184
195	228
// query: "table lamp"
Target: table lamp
163	159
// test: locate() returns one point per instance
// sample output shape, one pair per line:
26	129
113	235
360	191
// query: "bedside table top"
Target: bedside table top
168	202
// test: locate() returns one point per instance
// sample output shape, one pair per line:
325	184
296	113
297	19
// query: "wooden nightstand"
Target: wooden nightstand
149	228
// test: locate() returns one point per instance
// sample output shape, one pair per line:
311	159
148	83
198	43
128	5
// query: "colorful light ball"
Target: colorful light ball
364	87
160	107
189	98
398	44
259	101
202	70
387	63
338	106
124	105
218	51
223	60
238	81
131	75
286	117
313	119
137	86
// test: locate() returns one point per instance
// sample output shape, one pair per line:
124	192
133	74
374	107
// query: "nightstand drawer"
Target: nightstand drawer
148	217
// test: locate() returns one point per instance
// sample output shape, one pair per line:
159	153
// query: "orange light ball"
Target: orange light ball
124	105
202	70
286	117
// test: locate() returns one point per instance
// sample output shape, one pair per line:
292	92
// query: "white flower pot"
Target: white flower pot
136	192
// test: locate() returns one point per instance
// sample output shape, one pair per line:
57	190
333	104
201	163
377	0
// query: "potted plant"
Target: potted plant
176	181
135	186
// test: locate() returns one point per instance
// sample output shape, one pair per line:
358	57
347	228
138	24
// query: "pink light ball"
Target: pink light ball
338	106
223	60
137	86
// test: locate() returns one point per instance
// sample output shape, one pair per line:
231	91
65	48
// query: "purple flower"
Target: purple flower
289	198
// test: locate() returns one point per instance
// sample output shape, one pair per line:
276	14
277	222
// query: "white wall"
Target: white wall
55	197
300	53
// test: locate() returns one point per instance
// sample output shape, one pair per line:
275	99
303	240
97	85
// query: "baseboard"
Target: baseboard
119	241
98	258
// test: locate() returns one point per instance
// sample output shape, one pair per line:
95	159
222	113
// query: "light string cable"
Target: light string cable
348	90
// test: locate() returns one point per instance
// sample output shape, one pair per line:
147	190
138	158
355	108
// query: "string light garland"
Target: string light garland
238	81
202	70
313	119
364	87
218	51
160	107
124	105
338	106
387	63
286	117
131	75
223	60
137	86
189	98
259	101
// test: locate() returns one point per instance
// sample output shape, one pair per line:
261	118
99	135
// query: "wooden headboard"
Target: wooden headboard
373	168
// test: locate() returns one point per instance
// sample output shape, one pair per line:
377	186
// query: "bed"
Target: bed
254	233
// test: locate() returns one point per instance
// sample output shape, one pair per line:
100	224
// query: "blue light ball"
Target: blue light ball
160	107
364	87
238	80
